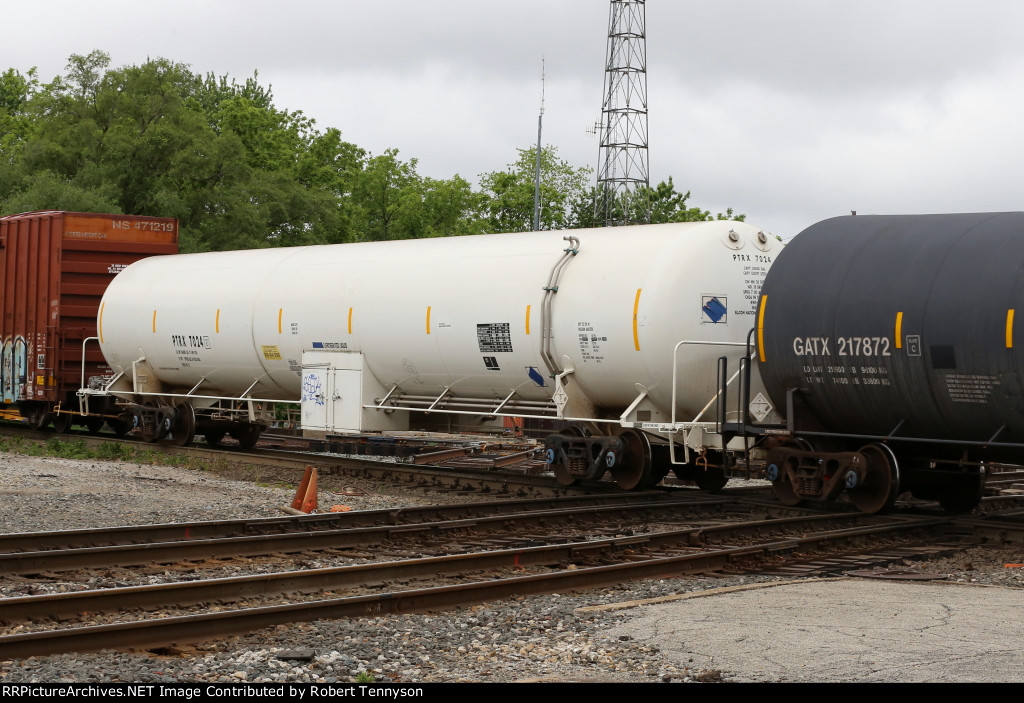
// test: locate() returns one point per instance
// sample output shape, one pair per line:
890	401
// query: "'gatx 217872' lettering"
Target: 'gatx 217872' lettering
844	346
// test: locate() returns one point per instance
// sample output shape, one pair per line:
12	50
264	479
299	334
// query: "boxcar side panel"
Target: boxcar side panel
56	266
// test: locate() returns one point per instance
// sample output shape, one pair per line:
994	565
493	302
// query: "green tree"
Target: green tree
669	205
386	196
157	139
330	166
16	125
392	201
238	172
451	207
510	193
663	202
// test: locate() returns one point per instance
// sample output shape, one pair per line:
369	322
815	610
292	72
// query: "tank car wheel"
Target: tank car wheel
247	436
684	472
155	431
661	463
963	496
783	489
213	437
94	424
926	493
574	431
711	479
61	423
183	429
38	418
633	471
881	485
956	503
784	492
563	476
710	476
657	474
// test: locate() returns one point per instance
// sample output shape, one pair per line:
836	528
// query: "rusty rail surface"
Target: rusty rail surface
633	564
310	580
209	529
56	560
479	477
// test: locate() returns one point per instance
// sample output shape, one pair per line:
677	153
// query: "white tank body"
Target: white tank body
461	313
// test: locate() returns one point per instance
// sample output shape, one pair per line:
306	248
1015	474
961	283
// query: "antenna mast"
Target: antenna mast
540	125
623	161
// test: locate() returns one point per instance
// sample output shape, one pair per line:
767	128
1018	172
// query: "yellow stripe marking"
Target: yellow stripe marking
100	324
428	319
636	307
280	314
350	320
528	319
1009	328
216	323
154	322
760	328
899	330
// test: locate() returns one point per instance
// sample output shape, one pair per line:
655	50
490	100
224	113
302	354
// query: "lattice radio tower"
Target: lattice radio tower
623	174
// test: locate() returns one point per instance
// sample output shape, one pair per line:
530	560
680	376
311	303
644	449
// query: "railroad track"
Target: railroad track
809	543
516	456
488	469
487	465
579	553
432	528
509	548
136	534
499	468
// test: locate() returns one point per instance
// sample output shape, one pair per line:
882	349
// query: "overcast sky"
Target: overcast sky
790	111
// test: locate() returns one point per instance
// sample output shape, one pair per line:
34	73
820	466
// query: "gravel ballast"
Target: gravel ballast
547	638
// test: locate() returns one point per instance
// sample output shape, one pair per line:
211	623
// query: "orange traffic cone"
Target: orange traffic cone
306	496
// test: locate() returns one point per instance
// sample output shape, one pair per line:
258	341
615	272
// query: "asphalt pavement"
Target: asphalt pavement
840	630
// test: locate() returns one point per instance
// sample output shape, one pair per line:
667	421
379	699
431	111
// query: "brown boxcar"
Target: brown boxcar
54	268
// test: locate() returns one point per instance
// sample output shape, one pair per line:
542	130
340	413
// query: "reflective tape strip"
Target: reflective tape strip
527	319
899	330
154	322
280	315
350	320
760	328
99	323
1009	328
428	319
636	331
216	322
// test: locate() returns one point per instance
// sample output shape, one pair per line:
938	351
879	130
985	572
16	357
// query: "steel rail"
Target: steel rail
487	480
291	542
212	625
169	532
182	593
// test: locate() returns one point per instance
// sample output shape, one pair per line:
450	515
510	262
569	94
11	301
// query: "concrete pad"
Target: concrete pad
841	630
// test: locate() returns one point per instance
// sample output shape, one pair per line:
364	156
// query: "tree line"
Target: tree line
239	172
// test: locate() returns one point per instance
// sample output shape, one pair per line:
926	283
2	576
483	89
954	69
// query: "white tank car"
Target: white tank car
583	325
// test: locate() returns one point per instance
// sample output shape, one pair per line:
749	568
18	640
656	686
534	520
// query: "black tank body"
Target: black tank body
906	321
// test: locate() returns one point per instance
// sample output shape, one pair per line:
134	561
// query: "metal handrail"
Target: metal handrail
675	373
